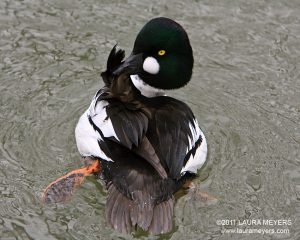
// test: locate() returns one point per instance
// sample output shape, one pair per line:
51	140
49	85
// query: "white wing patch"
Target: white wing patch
102	121
196	160
87	138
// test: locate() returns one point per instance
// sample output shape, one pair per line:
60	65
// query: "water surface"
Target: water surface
245	93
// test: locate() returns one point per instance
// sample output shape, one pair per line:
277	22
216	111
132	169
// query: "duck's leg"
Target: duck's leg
195	194
62	188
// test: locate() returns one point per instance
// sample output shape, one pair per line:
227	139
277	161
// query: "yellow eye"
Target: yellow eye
161	52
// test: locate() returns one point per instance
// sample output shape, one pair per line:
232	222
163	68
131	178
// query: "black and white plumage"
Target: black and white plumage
149	144
170	122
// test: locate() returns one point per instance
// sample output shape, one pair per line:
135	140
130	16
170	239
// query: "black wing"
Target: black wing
130	124
171	134
165	137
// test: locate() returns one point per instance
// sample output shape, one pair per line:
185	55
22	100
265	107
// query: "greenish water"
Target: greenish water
245	93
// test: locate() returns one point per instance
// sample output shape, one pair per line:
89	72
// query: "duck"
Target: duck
143	145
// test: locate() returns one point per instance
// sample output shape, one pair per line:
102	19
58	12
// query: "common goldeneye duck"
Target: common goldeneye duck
143	144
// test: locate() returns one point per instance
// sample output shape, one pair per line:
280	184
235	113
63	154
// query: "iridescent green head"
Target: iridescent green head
162	55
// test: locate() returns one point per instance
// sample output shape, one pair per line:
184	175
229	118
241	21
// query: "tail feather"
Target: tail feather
162	221
144	209
124	214
110	203
118	211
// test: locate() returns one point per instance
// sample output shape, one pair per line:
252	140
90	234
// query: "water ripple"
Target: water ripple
244	92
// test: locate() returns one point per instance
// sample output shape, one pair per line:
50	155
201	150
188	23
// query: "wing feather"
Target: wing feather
174	132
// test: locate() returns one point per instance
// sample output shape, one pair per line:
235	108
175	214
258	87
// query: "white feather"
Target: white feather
145	89
195	162
102	121
87	137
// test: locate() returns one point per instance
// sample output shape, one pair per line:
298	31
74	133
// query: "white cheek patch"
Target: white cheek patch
151	65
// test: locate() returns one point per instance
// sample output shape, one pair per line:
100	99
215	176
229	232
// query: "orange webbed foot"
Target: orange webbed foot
195	194
62	189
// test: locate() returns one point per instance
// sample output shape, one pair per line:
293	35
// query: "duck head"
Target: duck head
162	56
